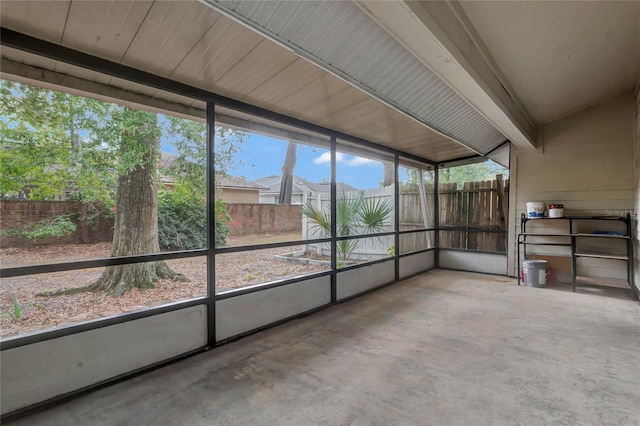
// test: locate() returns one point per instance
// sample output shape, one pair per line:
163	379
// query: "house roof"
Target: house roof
235	182
167	160
300	185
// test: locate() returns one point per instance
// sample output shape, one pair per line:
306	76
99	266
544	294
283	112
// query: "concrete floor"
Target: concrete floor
444	348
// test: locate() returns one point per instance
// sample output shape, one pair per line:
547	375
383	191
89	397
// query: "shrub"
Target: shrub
221	219
182	220
57	226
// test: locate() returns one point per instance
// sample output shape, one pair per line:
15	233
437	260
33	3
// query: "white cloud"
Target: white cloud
326	158
354	161
359	161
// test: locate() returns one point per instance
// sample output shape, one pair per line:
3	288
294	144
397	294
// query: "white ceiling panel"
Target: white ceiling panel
104	28
222	47
190	42
561	56
342	39
45	20
169	31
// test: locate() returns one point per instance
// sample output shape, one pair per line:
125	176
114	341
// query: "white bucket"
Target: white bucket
556	210
535	209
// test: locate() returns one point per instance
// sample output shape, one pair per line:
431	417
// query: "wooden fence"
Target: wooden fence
472	217
476	215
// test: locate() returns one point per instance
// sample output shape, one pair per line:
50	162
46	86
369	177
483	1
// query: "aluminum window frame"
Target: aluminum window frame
16	40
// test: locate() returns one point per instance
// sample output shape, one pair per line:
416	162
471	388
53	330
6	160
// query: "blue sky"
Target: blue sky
263	156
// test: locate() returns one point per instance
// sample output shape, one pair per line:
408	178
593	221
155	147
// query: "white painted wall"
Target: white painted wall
475	262
416	263
358	280
247	312
38	372
585	161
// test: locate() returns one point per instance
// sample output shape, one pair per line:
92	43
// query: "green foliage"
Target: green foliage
221	219
471	173
57	226
372	214
190	141
54	143
354	216
182	220
17	308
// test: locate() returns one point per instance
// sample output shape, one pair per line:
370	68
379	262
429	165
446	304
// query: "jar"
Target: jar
556	210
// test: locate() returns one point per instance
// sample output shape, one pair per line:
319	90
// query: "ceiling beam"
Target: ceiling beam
442	37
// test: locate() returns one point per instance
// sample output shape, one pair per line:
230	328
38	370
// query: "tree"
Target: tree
55	143
471	173
354	215
50	147
286	184
182	218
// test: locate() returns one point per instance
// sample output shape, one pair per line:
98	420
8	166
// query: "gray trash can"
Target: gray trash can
535	273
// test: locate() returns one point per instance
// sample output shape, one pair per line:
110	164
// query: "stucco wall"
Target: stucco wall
584	161
239	196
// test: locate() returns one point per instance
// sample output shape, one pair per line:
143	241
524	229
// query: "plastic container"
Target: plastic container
535	273
535	209
556	210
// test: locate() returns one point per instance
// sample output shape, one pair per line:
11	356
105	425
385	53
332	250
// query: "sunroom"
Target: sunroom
180	175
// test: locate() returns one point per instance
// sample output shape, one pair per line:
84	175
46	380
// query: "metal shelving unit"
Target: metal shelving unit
524	239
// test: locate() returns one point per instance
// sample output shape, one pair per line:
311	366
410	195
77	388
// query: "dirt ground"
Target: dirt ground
233	270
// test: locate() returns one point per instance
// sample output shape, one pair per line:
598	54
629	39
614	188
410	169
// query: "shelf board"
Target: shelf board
531	243
601	255
615	237
602	282
578	218
538	234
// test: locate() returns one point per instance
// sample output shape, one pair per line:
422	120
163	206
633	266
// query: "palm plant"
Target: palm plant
354	215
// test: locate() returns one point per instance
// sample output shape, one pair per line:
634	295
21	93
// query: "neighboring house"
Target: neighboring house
239	190
301	186
233	189
165	163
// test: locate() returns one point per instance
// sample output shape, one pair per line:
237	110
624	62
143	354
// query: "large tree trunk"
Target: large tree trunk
136	222
286	184
85	237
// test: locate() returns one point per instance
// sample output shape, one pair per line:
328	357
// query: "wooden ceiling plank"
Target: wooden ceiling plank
261	64
293	78
104	28
41	19
221	48
167	35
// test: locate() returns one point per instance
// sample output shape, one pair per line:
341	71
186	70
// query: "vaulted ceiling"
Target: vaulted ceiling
440	80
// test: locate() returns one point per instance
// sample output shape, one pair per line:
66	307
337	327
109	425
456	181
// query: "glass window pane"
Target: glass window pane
474	197
365	191
363	250
416	241
266	174
474	240
29	303
415	192
85	179
248	268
